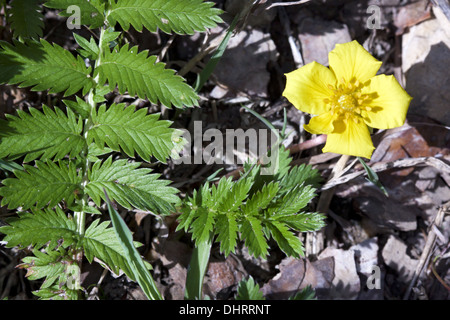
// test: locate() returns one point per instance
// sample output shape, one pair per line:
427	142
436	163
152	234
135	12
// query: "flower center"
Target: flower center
347	101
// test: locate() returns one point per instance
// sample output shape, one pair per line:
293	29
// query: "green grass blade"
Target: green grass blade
373	177
7	165
140	271
211	65
197	269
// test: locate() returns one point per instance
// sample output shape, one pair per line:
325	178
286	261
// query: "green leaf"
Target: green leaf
306	293
233	198
373	177
227	232
294	201
80	107
26	18
40	228
121	127
43	66
204	75
300	175
44	185
138	267
261	199
138	74
182	17
197	270
100	241
9	165
57	292
88	49
91	12
303	221
286	240
253	236
47	135
249	290
212	197
202	224
94	152
131	187
47	264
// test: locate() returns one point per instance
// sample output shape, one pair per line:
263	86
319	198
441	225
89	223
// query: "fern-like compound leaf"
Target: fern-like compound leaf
286	240
44	135
40	228
261	199
253	236
44	185
43	66
121	127
303	222
181	17
26	18
227	232
293	201
130	187
49	265
140	74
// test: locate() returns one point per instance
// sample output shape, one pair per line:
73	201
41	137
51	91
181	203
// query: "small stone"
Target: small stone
346	284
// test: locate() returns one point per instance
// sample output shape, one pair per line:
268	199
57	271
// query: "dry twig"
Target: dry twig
314	240
284	4
382	166
428	249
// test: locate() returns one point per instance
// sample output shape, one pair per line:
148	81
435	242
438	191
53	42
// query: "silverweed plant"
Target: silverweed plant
65	166
61	159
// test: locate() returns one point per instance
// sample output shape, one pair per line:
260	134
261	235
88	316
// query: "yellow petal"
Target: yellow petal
389	104
352	62
307	87
321	124
350	138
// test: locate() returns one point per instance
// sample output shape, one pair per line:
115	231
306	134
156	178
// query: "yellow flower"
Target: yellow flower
347	98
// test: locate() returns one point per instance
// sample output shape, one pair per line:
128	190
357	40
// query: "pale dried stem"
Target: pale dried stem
428	249
382	166
315	240
284	4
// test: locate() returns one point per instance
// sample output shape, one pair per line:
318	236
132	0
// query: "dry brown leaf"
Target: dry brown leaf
412	14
